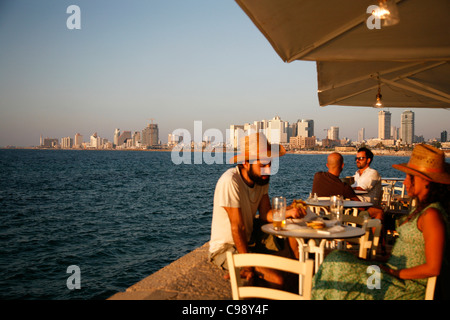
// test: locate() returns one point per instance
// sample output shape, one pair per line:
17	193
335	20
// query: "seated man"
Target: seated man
328	184
368	179
240	193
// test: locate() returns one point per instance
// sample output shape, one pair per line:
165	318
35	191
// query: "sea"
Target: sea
84	225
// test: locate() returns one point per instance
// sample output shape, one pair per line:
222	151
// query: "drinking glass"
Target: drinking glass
279	212
336	207
313	198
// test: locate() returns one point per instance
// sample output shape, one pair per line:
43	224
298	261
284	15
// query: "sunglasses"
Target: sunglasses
360	158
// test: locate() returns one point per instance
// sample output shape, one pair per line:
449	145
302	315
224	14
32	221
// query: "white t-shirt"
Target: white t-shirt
370	181
232	191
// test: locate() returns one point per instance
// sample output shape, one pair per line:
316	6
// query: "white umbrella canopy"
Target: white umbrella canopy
350	55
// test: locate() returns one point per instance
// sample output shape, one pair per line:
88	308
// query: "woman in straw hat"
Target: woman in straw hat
419	252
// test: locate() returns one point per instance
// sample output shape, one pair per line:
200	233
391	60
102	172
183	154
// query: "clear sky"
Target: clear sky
176	61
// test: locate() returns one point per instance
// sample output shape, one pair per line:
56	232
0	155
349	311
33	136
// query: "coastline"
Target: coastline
376	152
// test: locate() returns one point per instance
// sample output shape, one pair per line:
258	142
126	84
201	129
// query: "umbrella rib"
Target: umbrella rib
443	94
370	76
350	95
421	92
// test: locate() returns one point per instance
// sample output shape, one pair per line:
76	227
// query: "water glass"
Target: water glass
313	198
336	207
279	212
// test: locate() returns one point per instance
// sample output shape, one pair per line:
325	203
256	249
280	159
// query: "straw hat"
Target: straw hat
256	147
427	162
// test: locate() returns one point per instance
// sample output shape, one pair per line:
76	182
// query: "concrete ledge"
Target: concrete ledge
192	277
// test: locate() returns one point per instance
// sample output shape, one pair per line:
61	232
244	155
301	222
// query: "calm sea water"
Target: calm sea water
117	215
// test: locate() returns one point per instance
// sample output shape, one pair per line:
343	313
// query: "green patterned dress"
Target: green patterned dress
342	276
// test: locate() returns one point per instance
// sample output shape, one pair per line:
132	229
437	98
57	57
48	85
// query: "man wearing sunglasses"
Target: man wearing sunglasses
368	179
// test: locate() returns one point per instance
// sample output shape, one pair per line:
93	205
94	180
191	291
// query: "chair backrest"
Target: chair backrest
366	243
324	210
431	285
360	221
387	194
239	291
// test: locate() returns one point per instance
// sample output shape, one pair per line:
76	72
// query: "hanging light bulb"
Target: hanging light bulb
378	102
388	12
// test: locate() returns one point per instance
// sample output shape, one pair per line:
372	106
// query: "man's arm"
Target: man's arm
265	210
240	237
238	230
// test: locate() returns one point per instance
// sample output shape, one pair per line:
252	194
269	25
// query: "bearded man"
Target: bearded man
240	193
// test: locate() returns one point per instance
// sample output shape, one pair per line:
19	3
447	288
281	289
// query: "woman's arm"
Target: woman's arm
433	229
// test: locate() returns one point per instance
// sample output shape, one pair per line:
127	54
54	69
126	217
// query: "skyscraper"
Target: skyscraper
444	136
305	128
395	134
150	135
384	125
123	138
276	131
78	141
407	127
66	142
236	132
361	134
116	136
333	133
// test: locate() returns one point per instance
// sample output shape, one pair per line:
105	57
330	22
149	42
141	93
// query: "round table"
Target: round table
392	179
347	203
301	233
305	232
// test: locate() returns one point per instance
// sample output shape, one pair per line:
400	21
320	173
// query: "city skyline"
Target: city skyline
303	128
175	61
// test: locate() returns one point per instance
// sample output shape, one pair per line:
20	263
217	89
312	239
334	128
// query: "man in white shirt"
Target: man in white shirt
368	179
240	193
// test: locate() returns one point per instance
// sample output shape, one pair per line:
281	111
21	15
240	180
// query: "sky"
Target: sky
174	61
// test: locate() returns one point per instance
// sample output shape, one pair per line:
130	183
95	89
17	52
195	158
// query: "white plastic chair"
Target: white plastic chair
239	291
321	210
366	243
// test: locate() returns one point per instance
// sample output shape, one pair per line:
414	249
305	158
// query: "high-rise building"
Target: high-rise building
66	142
444	136
50	143
277	131
116	136
136	138
333	133
78	141
126	135
395	133
407	127
384	124
305	128
95	141
236	132
361	134
150	135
